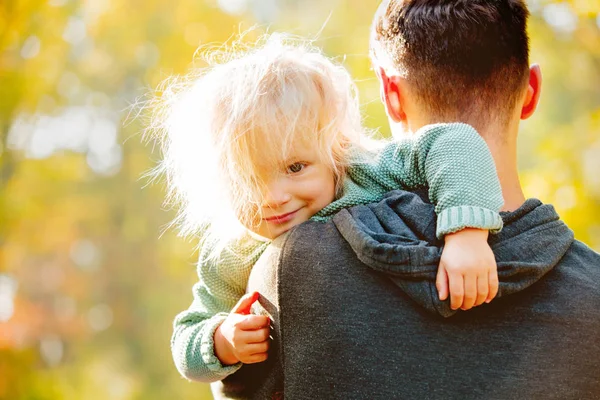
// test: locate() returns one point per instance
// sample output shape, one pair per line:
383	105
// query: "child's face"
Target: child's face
295	194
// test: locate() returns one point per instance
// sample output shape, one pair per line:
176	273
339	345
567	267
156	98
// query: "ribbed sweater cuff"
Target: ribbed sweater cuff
454	219
207	351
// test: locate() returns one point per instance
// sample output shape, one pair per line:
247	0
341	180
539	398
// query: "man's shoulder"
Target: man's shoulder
580	258
576	279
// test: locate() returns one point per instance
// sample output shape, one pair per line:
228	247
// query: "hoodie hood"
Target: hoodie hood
397	237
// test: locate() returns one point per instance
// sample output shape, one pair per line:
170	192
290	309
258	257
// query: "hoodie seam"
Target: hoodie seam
365	250
506	242
396	273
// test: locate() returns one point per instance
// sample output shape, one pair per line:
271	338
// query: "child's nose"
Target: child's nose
276	195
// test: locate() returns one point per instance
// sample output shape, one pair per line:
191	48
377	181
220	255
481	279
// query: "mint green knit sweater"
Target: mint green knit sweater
451	159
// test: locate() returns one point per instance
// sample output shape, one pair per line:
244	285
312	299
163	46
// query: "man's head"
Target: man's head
458	60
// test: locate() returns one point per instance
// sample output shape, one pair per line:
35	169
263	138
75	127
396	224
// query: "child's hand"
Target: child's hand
243	337
467	269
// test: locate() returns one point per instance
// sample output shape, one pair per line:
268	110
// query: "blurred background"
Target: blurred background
90	278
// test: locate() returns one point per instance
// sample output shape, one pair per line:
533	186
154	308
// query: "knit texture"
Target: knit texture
452	160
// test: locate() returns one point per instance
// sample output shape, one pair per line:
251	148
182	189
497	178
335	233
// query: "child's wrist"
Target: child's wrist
470	233
453	219
223	350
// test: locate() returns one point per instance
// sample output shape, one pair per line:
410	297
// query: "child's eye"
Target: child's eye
295	167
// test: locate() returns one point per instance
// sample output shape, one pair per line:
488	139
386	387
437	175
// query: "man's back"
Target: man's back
374	328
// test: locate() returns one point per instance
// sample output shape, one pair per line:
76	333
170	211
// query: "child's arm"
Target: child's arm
219	288
457	166
462	179
453	161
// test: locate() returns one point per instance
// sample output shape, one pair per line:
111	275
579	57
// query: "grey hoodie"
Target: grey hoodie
361	319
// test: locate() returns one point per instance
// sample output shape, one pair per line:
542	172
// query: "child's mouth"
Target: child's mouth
281	219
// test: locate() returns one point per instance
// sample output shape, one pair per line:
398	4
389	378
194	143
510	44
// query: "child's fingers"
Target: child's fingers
483	289
253	353
255	348
494	285
245	303
254	322
255	358
257	336
457	288
470	294
441	282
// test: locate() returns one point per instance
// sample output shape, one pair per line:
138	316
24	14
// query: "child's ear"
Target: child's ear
391	95
534	89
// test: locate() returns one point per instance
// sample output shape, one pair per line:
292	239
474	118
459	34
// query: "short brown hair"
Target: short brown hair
464	59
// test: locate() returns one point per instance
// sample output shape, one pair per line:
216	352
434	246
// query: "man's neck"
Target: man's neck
504	153
505	157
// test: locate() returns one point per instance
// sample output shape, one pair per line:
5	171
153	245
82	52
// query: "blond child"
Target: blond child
272	137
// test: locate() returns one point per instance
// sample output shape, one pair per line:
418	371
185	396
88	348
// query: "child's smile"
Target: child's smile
282	218
294	195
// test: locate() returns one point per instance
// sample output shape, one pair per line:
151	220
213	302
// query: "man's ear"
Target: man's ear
534	89
391	96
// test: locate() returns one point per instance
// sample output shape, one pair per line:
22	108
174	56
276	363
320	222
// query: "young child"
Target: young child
271	138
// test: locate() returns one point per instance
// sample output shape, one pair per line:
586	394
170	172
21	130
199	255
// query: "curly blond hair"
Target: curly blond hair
251	104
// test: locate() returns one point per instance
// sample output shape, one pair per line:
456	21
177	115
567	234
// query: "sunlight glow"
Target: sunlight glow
75	31
233	7
8	290
51	350
57	3
85	254
83	129
31	47
265	11
561	17
565	198
100	317
591	166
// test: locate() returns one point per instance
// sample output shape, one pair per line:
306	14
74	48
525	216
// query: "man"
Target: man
353	301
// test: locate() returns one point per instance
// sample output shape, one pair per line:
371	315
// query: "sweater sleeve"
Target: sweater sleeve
455	163
220	286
